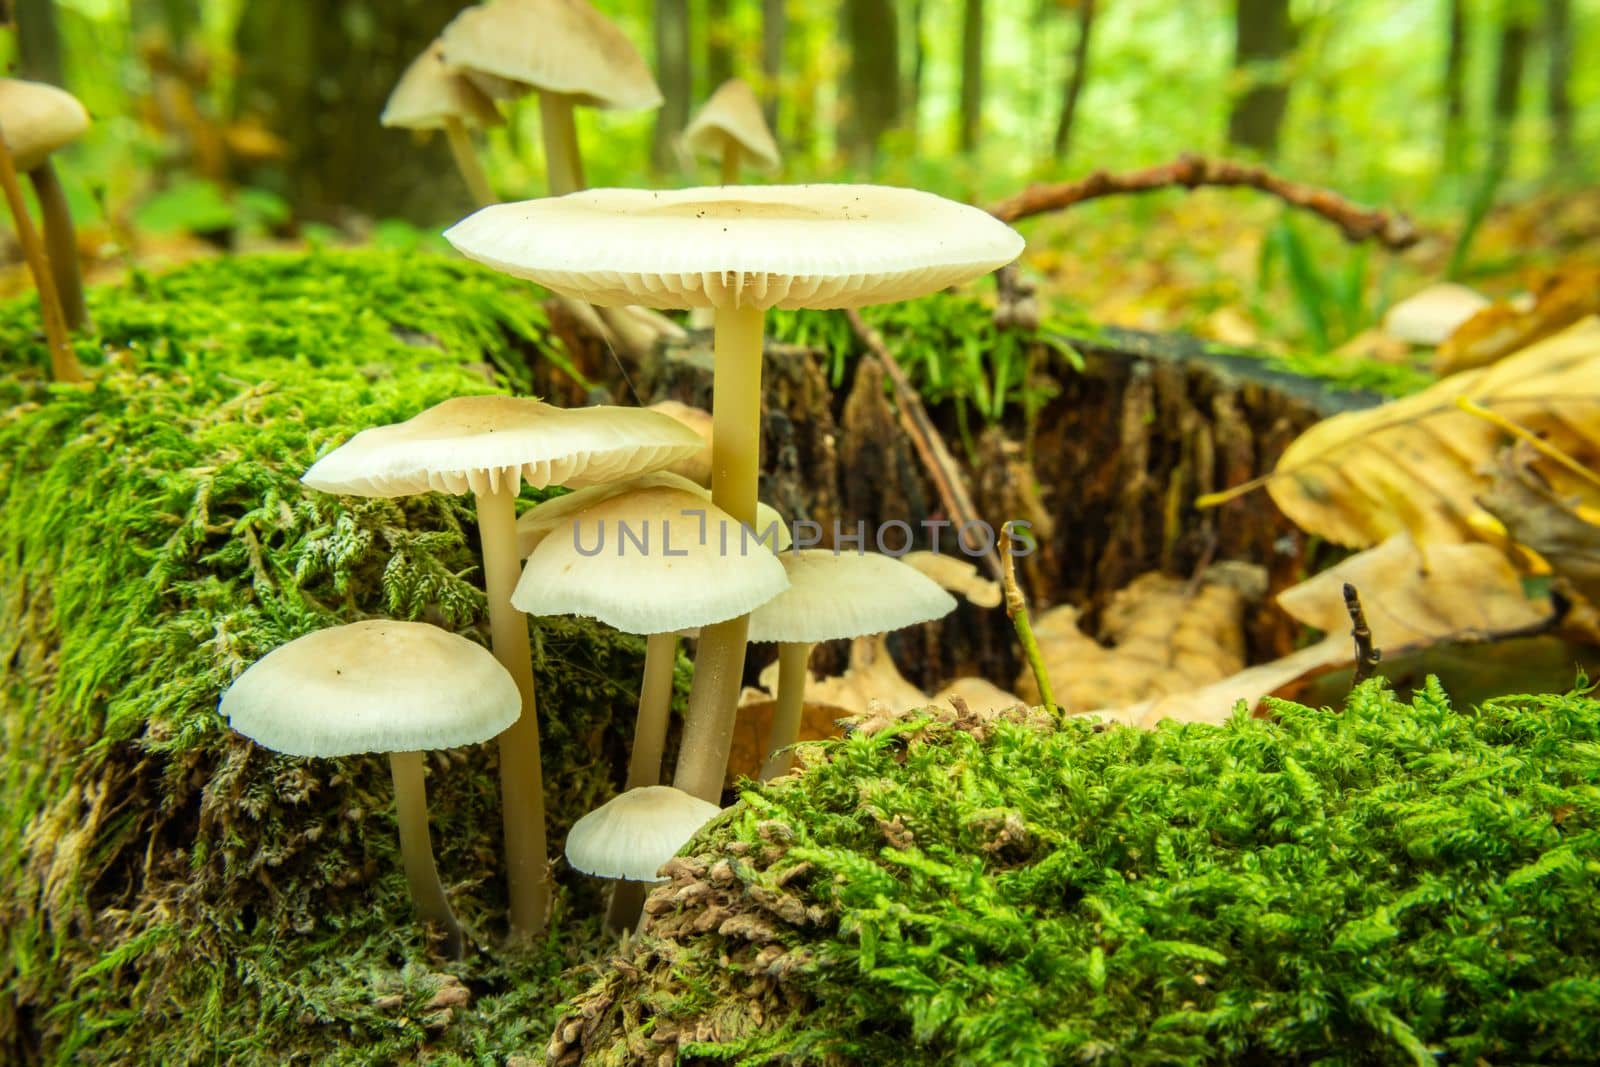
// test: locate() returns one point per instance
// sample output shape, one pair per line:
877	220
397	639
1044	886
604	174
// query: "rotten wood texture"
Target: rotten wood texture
1393	230
1117	459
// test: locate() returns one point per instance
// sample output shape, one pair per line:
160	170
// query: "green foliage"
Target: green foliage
1390	884
169	892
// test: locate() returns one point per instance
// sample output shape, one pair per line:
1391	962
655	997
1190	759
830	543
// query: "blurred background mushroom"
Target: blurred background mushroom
432	95
39	119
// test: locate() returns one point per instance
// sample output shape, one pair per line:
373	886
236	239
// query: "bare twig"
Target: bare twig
64	366
936	458
1394	231
1367	657
1017	612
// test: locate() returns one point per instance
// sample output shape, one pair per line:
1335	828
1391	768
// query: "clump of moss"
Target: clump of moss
1389	884
169	892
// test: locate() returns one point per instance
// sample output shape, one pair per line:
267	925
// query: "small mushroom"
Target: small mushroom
631	835
38	120
432	95
489	446
401	688
740	250
730	128
833	595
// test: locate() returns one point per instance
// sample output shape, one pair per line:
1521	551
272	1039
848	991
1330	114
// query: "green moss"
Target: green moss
1384	885
169	892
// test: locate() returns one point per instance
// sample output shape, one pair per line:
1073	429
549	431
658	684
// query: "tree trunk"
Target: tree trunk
872	90
1558	90
317	73
719	44
919	62
1264	35
673	74
38	41
1073	89
1455	91
971	75
1509	67
774	31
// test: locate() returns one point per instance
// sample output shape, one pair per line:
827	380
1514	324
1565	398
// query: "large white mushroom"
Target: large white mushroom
739	250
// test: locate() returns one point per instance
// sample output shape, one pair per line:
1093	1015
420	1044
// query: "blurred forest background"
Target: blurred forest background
225	124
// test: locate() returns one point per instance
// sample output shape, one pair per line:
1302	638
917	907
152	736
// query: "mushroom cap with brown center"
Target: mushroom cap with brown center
633	834
374	686
733	114
492	442
38	119
834	595
559	46
786	246
650	561
430	92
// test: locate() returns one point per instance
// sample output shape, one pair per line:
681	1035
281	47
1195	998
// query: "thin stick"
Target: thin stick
1017	611
1394	231
64	366
936	458
1367	657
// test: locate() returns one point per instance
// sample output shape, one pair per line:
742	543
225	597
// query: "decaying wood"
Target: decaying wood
1393	230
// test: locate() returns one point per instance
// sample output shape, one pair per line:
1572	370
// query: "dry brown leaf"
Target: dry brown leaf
1453	593
1415	465
1503	328
980	695
753	728
1543	522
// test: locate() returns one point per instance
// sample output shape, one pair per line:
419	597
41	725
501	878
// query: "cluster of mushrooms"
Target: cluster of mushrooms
634	544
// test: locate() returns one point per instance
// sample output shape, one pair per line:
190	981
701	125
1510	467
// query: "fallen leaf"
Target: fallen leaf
1415	465
1503	328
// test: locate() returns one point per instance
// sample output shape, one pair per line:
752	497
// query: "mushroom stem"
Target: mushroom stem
64	365
735	466
792	658
416	850
521	780
467	162
644	765
730	161
562	160
61	245
655	705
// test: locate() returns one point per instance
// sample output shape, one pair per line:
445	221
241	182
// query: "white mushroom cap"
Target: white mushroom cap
1430	316
557	46
38	119
375	686
431	91
697	468
632	835
674	581
787	246
733	114
483	443
535	524
850	594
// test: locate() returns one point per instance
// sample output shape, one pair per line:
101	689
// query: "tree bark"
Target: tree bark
774	32
38	41
673	74
971	116
1509	67
317	73
872	89
1264	34
1558	88
719	44
1073	88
